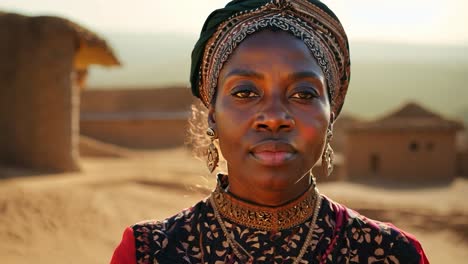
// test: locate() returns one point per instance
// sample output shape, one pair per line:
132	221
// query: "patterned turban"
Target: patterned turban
308	20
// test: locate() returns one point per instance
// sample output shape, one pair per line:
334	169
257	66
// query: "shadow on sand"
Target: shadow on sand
404	185
9	172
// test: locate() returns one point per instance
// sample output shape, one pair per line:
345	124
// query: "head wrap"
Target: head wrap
309	20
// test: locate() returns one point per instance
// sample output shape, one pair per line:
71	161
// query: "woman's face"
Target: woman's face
271	115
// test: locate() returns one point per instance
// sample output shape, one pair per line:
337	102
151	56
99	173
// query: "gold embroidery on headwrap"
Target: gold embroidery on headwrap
321	33
281	4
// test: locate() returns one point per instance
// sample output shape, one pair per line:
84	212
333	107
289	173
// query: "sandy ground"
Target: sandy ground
79	217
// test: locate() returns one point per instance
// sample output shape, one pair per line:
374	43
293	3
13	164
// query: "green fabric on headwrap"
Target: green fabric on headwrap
209	28
212	26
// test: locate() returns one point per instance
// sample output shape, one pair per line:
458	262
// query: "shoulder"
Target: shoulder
124	253
155	238
164	228
375	241
150	239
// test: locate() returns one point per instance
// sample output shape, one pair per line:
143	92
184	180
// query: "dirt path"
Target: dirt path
79	218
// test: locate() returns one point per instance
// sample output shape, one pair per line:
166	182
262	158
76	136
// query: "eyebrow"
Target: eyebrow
304	75
257	75
245	73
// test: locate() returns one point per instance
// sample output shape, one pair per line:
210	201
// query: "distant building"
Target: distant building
463	154
43	68
410	144
463	163
137	118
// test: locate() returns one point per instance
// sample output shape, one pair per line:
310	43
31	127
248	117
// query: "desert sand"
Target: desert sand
80	217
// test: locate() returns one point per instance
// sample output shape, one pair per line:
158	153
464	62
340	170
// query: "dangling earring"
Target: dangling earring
212	152
327	156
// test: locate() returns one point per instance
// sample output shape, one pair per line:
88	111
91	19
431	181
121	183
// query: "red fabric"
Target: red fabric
418	247
412	239
341	217
125	251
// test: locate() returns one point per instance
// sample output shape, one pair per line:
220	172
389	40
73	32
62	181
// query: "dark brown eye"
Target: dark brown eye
244	92
308	94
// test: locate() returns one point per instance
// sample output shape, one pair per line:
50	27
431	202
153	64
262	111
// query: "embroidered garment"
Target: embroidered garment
340	235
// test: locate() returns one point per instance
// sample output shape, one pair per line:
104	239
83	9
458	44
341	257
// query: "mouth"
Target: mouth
273	152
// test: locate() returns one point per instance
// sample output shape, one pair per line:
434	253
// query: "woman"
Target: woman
273	75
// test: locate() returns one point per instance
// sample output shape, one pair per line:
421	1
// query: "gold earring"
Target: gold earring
327	156
312	178
212	152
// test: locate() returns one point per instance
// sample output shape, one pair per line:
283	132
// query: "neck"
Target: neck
265	216
269	195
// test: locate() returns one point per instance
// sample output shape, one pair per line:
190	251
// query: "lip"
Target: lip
273	152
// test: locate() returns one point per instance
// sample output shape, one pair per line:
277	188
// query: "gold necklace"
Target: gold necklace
247	257
264	217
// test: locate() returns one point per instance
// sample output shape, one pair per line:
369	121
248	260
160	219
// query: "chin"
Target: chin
274	180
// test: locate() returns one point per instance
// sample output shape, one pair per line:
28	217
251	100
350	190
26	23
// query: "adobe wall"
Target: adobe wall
434	158
137	118
129	100
137	133
36	96
462	160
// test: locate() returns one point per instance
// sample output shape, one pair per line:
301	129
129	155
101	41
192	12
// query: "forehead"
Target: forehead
269	50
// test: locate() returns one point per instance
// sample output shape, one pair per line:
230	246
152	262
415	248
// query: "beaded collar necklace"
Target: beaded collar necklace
265	218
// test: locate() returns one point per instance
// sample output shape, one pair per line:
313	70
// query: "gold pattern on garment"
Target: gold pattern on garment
262	217
246	256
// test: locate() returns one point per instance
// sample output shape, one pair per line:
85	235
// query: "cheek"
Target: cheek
232	118
314	131
318	127
232	125
228	121
314	137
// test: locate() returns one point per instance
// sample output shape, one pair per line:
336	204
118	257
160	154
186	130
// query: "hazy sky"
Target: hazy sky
413	21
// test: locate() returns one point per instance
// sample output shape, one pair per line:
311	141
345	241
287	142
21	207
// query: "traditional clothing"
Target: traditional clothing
311	229
267	235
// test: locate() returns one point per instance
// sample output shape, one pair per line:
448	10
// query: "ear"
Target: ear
211	117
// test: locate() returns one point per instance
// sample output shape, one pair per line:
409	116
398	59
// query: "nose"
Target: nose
274	117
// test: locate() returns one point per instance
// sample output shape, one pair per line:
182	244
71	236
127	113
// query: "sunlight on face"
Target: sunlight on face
271	115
